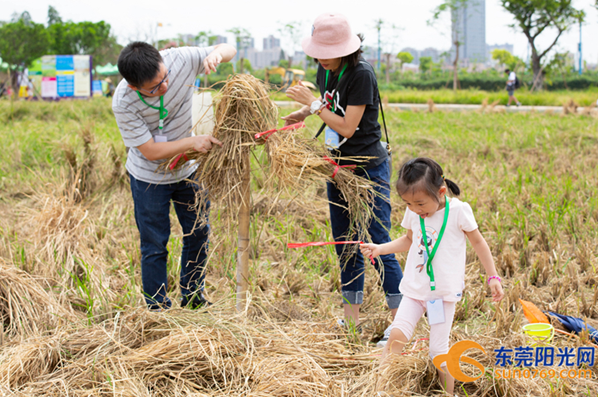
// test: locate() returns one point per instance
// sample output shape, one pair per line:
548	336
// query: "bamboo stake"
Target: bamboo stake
243	248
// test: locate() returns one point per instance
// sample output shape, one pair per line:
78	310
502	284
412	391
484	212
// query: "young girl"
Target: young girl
435	269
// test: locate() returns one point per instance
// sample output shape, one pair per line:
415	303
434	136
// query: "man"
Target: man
511	87
152	107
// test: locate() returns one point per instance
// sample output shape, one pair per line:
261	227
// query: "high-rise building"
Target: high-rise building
271	42
469	23
221	40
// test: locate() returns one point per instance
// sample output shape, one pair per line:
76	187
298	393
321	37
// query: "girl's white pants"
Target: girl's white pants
409	313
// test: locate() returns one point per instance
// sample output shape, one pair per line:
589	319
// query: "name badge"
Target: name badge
435	311
331	138
160	138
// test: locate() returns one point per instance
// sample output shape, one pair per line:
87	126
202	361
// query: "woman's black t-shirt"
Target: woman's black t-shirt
356	87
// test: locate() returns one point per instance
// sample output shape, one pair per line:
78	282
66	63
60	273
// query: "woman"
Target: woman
350	111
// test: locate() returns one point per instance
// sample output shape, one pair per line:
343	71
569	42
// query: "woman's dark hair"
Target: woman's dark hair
425	174
352	59
139	63
507	71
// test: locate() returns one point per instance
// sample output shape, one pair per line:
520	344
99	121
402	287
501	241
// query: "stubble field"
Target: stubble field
73	318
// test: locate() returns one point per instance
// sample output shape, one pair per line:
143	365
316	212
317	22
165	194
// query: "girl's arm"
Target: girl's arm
483	251
401	244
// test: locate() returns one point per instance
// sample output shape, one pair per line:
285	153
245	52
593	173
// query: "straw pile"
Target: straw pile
26	306
244	109
297	161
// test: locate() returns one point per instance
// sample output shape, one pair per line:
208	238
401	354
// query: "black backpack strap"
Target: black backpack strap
320	130
384	123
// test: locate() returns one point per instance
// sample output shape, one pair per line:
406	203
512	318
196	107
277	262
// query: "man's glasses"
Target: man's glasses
156	88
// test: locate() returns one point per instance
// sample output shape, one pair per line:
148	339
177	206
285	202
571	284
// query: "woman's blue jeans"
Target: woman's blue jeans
152	215
352	267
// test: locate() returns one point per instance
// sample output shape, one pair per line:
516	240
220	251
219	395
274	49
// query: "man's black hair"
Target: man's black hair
352	59
139	63
507	70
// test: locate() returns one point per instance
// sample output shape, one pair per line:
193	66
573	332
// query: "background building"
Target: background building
271	42
432	53
221	39
469	23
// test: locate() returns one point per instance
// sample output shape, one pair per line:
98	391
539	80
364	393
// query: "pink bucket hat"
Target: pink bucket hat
331	37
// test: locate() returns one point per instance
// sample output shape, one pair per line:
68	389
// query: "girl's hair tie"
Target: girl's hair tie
443	178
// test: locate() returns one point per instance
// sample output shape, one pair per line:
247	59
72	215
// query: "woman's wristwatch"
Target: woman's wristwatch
315	106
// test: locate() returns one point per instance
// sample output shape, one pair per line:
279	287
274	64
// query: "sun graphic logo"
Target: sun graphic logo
455	356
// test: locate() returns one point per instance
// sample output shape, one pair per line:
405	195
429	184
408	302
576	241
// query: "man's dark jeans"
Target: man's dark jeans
152	214
352	267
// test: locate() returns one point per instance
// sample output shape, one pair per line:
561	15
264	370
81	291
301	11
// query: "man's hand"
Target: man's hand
203	143
212	61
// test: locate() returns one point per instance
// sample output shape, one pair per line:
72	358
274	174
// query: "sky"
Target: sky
138	20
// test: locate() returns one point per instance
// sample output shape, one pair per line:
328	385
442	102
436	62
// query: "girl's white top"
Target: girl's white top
449	261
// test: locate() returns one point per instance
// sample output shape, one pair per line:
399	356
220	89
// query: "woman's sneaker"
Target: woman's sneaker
382	342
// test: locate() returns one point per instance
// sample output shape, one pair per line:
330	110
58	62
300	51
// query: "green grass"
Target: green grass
476	97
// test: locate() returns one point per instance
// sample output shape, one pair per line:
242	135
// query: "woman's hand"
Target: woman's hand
370	250
497	291
301	94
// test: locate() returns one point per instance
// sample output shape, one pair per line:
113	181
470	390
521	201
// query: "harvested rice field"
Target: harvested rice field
75	324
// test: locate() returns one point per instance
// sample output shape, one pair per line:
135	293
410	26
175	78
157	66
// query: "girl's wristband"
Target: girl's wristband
495	277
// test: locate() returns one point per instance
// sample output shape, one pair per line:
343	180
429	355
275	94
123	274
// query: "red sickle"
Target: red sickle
295	126
176	160
338	167
320	243
266	134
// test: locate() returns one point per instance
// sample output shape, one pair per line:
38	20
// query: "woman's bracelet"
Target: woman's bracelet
496	277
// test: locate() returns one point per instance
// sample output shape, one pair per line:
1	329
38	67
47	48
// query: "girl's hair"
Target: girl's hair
425	174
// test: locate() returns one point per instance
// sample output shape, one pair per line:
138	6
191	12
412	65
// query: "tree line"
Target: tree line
22	41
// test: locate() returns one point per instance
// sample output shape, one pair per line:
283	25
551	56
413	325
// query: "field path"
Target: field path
455	107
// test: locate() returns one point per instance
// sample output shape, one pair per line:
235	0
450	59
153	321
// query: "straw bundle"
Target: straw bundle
296	160
27	361
26	306
243	109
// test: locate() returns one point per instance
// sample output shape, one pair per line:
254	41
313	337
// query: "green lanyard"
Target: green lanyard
339	80
162	109
429	268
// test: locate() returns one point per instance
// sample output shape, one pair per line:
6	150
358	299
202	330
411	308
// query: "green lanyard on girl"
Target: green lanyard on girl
429	268
162	109
331	101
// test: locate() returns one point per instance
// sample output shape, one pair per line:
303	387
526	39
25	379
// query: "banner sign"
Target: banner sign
66	76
